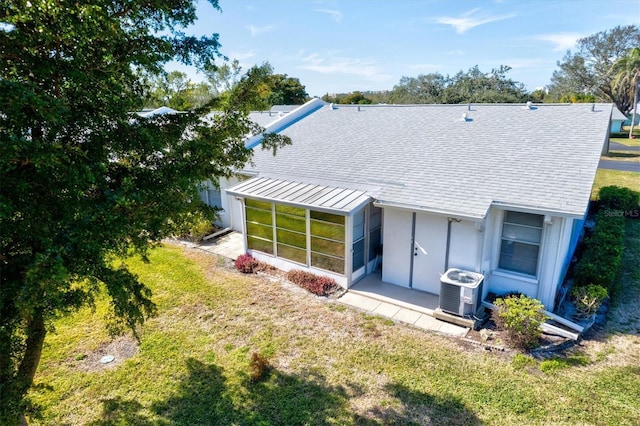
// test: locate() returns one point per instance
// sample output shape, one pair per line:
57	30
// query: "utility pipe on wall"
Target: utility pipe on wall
446	254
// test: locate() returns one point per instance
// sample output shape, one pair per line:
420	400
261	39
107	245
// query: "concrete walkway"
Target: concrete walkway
401	314
230	245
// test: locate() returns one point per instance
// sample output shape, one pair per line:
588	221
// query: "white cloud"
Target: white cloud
336	15
455	52
332	63
241	56
562	41
466	22
259	30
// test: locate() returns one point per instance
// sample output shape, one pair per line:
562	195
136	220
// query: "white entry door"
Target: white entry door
429	251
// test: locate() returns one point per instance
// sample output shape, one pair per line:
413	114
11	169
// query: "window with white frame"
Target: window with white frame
520	242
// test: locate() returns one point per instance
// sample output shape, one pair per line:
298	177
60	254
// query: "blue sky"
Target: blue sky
337	46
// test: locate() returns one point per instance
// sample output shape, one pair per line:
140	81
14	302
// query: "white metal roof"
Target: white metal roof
314	197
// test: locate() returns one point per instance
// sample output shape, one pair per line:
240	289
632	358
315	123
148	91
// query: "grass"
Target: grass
605	177
327	364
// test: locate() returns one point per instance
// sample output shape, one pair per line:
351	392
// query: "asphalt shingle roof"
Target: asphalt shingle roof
429	157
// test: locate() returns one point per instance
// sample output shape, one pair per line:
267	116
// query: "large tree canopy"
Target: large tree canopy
587	71
84	179
471	86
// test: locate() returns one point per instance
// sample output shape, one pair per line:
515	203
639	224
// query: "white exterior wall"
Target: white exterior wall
465	247
430	253
556	238
231	215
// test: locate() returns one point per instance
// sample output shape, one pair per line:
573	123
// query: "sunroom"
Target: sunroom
323	229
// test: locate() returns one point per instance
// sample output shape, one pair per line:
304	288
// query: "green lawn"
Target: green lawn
330	364
605	177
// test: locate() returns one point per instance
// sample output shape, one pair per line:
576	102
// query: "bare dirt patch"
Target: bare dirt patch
121	348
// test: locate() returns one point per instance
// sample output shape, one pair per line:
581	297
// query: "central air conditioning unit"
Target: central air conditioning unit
460	292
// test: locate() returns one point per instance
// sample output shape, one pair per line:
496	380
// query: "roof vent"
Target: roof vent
332	106
529	103
465	117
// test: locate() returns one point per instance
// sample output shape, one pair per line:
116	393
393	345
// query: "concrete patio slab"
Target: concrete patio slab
428	322
386	310
407	315
230	245
360	302
402	314
453	330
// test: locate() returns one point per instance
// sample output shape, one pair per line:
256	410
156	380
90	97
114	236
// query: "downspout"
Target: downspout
446	254
414	249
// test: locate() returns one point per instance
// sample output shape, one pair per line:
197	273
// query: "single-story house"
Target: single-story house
500	190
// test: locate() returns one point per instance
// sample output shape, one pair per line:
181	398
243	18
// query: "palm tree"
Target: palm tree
628	68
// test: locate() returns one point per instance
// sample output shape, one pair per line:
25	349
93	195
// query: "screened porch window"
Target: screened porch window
520	243
259	218
327	241
281	230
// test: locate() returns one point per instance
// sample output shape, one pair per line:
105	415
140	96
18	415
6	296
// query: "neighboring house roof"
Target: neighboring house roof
264	118
283	108
427	157
158	111
616	115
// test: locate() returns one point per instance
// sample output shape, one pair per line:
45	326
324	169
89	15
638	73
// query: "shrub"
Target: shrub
258	366
521	317
318	285
246	264
602	254
588	299
195	223
618	198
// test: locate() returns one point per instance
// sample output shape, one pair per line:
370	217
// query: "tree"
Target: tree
177	91
84	180
355	98
627	70
423	89
588	70
470	86
276	89
478	87
286	90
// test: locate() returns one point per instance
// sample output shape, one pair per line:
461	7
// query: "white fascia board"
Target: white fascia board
438	211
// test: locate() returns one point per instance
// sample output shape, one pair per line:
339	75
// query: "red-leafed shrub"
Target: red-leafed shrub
318	285
258	366
247	264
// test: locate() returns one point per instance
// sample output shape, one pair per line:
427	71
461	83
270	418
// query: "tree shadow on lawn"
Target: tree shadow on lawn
204	398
